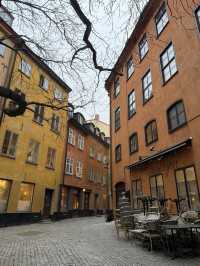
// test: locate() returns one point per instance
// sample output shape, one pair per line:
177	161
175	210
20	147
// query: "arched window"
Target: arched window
176	116
151	133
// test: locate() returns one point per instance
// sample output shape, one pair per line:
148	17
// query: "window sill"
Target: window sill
7	156
165	82
37	122
177	128
28	77
146	101
50	168
32	163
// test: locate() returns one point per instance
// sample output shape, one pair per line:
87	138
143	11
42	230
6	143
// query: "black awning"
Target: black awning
162	153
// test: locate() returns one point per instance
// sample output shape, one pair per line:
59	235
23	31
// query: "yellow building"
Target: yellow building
32	145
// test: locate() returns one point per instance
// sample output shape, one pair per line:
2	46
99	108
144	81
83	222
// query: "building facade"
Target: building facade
155	112
32	145
86	169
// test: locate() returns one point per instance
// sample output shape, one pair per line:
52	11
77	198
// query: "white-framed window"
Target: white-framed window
58	94
43	83
79	169
104	180
2	49
55	123
130	68
143	46
99	157
33	151
25	68
91	174
91	152
69	166
10	143
80	142
161	19
105	160
168	63
71	137
51	158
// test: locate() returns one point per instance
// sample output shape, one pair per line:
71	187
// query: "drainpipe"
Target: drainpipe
110	180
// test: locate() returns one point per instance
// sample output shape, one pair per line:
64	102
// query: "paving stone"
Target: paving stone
74	242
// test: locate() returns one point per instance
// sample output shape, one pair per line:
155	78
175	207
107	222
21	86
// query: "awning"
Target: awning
161	154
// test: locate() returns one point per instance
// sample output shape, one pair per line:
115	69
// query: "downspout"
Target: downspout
111	183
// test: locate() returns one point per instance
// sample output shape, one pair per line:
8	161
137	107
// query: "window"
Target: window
69	166
33	151
118	153
168	63
105	159
55	123
157	187
197	13
91	174
2	49
58	95
151	133
44	83
116	87
161	19
71	137
25	68
99	157
51	157
117	119
147	87
130	68
104	180
5	186
81	142
176	116
25	197
131	104
133	143
91	152
79	169
39	114
187	187
10	143
143	46
137	193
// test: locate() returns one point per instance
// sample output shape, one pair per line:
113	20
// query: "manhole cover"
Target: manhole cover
29	233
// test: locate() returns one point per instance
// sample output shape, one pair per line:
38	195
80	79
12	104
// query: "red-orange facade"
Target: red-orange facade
155	111
85	183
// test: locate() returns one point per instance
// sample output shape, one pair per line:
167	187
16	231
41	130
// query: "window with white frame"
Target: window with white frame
105	161
69	166
104	180
80	142
9	143
168	63
91	174
43	83
161	19
147	87
58	95
143	46
71	136
91	152
79	169
130	68
2	49
33	151
99	157
25	68
55	123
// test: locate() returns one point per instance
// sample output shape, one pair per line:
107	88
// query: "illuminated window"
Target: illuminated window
5	186
25	197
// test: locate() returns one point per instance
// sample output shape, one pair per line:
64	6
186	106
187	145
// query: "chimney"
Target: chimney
96	117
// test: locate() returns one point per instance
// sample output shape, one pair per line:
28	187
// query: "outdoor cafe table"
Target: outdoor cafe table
177	232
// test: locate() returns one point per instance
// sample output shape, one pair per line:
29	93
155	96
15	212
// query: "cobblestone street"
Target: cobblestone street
84	241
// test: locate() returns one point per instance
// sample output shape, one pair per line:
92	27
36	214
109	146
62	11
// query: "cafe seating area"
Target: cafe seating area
152	227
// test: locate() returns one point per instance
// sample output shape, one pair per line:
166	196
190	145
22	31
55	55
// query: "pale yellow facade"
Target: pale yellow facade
16	168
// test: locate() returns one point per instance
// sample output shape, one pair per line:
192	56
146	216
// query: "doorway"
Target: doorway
47	202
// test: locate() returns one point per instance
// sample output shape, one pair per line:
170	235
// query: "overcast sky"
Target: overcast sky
109	36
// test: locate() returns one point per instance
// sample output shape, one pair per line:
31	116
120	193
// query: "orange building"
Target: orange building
86	169
155	111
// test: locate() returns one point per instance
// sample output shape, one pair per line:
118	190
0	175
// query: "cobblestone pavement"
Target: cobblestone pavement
77	241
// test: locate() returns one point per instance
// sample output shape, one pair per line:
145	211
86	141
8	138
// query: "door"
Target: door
47	202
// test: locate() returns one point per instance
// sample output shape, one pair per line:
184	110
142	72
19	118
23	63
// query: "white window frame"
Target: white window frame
25	68
69	166
81	142
33	154
91	152
71	137
99	157
79	169
58	94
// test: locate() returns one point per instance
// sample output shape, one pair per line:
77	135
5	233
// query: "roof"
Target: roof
159	155
19	42
144	17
